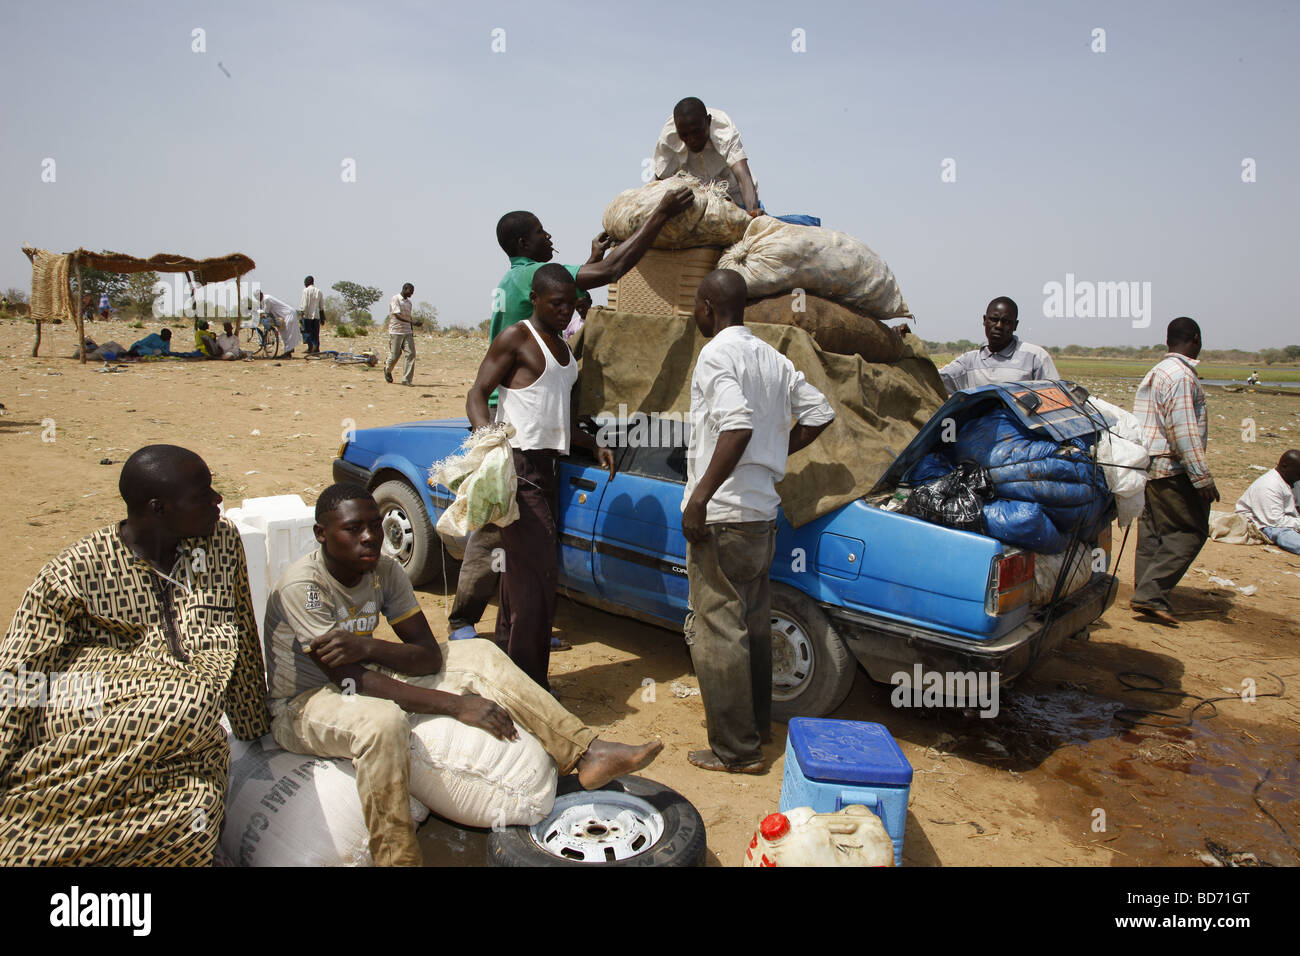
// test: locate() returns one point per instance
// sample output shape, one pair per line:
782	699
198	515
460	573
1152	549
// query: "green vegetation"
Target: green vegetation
1130	368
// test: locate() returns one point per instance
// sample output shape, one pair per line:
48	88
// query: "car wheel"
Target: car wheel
812	669
631	821
409	537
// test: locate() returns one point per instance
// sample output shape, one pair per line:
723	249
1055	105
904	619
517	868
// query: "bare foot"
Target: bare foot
604	761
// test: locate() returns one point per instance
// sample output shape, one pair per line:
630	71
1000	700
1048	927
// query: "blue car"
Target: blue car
863	584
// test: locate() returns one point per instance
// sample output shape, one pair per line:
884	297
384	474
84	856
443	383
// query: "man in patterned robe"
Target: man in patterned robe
114	675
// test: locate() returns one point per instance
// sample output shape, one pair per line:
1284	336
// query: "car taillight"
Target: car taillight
342	448
1011	581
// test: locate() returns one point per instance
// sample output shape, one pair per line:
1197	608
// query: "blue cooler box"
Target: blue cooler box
830	764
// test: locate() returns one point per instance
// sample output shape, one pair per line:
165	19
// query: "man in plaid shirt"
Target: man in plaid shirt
1170	406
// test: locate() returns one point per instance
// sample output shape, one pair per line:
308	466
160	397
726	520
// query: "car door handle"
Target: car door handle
583	483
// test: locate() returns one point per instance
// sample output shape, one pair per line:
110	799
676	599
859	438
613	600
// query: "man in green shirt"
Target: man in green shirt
529	247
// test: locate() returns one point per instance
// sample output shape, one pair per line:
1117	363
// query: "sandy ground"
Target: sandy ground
1056	778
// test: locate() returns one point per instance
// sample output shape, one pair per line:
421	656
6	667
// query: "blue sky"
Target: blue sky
1117	166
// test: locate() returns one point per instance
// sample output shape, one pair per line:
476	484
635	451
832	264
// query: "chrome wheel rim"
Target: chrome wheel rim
399	536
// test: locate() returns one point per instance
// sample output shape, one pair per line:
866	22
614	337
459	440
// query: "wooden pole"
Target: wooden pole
239	306
81	322
37	343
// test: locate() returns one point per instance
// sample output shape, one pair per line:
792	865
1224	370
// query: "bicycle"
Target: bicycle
345	358
261	339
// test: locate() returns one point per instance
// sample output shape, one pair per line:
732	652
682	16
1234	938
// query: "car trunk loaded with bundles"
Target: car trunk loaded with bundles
822	281
1042	467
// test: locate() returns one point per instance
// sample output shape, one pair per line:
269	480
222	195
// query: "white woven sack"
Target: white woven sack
1124	460
776	257
482	474
475	779
287	809
712	220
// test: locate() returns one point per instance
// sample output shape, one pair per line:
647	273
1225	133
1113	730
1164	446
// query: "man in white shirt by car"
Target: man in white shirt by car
1269	503
744	394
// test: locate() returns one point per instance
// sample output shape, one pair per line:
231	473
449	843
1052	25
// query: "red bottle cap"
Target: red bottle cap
774	826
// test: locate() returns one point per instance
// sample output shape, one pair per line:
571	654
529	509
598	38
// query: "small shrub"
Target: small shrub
345	331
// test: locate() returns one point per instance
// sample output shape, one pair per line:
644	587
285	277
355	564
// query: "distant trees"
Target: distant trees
428	314
139	295
358	299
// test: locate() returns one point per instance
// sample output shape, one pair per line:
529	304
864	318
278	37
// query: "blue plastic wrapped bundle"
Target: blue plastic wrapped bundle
932	466
1024	524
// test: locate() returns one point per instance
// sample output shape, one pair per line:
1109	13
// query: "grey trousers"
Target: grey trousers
478	582
397	344
1173	528
729	631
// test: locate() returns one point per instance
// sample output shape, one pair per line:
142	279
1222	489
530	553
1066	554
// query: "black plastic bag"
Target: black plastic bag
956	499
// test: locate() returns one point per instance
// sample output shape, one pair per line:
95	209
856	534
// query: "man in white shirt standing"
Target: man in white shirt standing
707	145
313	313
401	335
1004	359
1269	504
743	396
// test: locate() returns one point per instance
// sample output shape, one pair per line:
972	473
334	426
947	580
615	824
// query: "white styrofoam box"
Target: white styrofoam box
289	525
254	541
257	511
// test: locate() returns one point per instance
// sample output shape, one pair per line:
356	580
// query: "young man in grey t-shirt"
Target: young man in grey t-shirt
327	698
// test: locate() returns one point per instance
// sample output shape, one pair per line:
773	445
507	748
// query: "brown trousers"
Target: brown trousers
532	569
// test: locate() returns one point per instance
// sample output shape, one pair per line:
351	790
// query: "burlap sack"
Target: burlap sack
832	326
777	257
644	362
712	220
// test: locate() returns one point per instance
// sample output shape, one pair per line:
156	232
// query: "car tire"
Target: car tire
812	668
409	535
670	829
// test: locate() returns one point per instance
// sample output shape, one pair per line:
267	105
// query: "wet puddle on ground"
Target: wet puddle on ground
1214	790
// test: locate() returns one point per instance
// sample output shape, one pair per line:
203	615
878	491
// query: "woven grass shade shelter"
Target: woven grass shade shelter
53	273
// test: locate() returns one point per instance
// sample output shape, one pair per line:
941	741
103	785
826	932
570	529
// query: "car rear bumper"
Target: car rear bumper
885	647
348	473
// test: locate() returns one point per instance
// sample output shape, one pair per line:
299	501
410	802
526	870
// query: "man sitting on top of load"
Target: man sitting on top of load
1004	359
707	145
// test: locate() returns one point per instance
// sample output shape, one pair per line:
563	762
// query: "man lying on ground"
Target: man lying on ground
155	343
327	700
114	675
1269	503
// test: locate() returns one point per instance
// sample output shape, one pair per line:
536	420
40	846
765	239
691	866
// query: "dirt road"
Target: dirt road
1059	776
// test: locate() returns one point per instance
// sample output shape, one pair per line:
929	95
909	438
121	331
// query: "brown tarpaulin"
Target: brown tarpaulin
645	362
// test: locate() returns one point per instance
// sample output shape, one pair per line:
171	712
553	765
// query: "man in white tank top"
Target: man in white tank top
534	370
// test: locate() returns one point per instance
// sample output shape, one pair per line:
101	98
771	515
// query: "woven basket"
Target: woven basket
664	281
